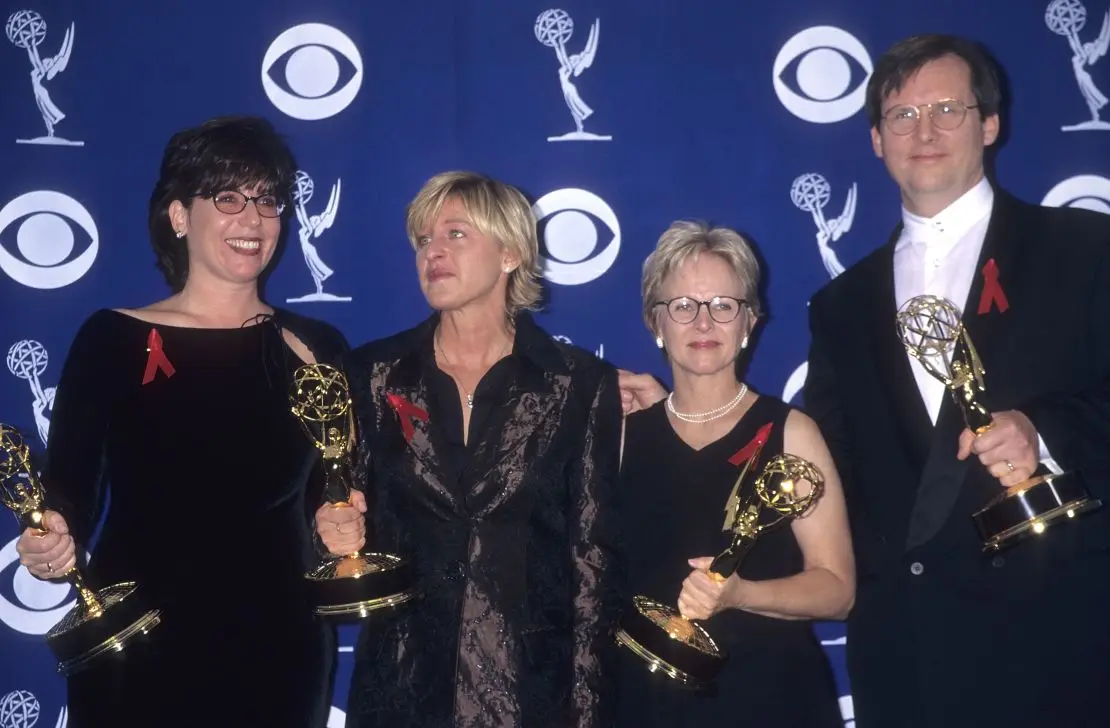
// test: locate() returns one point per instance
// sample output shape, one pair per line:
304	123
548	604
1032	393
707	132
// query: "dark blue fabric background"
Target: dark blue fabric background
706	120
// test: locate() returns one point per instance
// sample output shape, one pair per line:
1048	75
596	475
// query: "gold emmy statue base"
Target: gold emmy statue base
357	584
682	649
931	329
104	621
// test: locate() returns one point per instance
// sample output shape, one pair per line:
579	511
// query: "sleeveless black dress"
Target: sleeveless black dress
673	499
203	480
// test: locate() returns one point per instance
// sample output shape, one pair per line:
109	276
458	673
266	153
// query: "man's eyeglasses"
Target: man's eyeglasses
231	202
946	114
722	309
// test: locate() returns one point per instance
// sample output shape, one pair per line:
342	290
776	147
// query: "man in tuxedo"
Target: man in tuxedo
944	633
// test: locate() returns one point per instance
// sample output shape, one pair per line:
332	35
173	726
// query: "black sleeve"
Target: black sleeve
821	394
73	473
1075	425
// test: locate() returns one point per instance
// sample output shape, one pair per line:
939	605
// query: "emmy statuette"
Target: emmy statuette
682	649
353	585
933	334
104	621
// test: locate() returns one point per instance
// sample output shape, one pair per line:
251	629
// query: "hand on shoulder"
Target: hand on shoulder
639	391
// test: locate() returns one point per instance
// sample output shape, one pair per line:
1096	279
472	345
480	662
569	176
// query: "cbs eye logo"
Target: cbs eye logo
321	67
43	254
823	62
569	236
1086	191
28	605
795	382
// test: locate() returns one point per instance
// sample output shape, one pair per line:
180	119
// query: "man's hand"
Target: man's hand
639	391
1009	449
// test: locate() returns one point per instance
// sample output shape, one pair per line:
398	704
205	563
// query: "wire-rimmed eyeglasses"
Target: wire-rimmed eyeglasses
722	309
946	114
231	202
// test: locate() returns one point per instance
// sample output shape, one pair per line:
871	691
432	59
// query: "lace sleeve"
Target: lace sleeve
597	565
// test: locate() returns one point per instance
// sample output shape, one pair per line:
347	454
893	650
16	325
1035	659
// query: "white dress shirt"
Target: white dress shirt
937	256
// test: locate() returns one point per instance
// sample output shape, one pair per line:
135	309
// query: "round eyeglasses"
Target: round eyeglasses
946	114
722	309
231	202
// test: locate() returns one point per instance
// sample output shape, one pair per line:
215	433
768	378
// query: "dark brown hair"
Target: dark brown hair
225	153
906	58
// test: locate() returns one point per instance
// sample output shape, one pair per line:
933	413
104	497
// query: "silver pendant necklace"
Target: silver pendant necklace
469	396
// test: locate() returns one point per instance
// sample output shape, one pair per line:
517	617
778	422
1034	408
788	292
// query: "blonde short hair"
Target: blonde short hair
685	240
498	211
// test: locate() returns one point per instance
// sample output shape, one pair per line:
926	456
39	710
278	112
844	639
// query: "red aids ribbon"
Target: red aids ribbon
992	290
745	453
406	411
156	358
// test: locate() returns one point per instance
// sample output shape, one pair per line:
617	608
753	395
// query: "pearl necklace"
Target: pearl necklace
714	414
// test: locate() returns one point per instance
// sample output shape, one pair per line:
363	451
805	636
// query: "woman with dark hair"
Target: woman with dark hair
183	407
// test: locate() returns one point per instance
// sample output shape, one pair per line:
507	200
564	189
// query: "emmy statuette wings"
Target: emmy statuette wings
353	585
931	329
103	622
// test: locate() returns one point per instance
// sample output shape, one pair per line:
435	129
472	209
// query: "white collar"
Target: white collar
950	224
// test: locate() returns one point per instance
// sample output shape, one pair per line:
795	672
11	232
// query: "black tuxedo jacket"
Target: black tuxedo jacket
942	633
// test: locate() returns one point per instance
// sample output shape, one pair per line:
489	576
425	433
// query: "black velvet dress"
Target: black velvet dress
201	476
673	503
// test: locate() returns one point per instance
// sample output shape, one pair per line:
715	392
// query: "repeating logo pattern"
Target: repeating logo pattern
38	605
1067	18
19	709
810	193
313	56
26	29
1087	191
45	240
823	74
27	359
312	227
570	237
554	28
314	71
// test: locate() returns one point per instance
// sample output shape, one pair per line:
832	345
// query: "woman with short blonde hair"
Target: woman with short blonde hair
682	459
496	210
491	453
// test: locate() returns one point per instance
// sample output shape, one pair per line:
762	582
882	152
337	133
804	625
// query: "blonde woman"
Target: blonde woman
681	458
491	453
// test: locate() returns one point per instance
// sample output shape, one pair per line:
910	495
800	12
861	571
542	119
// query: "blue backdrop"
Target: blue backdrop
618	116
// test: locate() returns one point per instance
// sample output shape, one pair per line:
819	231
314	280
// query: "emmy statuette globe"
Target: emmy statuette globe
681	649
931	329
354	585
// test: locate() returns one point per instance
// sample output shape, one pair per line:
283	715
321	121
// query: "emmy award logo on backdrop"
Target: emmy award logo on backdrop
810	193
26	29
27	359
554	28
313	226
1067	18
21	709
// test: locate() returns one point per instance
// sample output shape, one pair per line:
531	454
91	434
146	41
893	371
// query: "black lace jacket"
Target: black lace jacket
517	559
